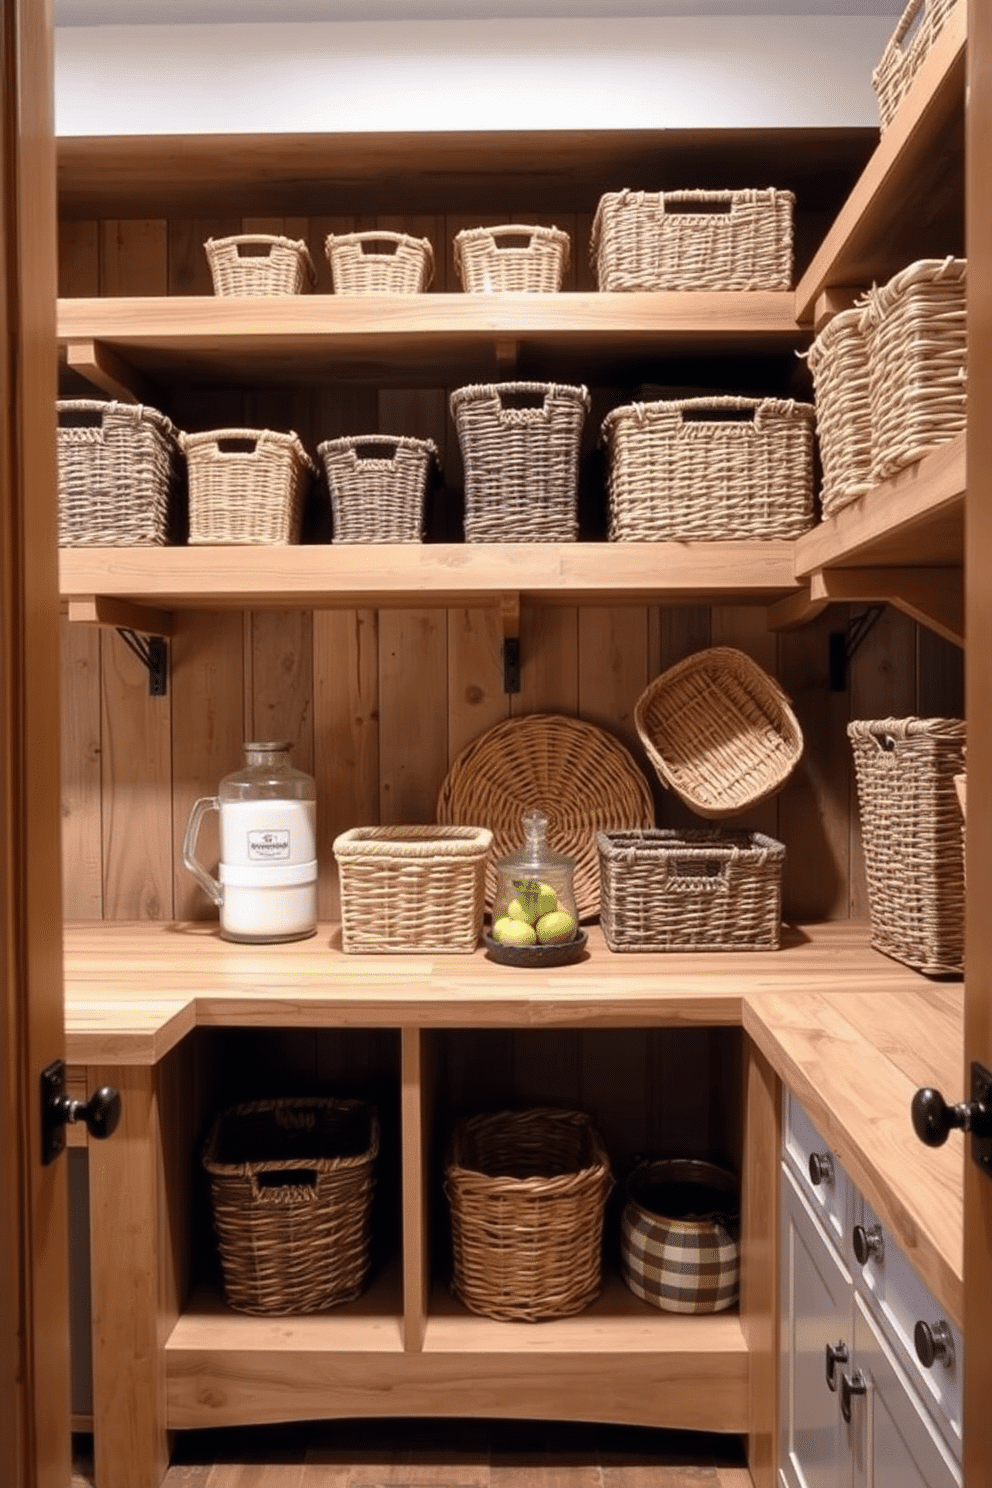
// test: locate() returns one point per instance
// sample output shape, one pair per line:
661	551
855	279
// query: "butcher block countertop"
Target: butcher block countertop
852	1033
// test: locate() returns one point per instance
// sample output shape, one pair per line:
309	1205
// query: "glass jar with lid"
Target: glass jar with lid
534	903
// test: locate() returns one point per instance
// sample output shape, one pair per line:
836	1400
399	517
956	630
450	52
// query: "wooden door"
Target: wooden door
34	1349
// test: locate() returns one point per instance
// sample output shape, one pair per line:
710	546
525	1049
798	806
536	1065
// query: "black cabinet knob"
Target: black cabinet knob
934	1119
101	1112
821	1168
934	1342
868	1243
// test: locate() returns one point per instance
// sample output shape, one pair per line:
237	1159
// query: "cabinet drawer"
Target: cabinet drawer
830	1198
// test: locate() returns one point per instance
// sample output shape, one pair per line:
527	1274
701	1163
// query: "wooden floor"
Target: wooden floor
445	1454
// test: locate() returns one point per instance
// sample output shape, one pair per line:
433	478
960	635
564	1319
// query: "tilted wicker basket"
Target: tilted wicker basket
527	1191
260	264
838	361
291	1186
378	486
246	486
512	258
673	240
680	1235
119	474
379	262
919	26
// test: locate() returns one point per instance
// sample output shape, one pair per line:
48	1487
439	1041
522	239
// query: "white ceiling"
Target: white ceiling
190	12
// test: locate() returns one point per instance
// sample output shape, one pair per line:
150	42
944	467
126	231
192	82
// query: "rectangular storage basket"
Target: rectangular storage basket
710	469
838	362
527	1192
521	462
714	240
919	26
512	258
291	1185
119	475
379	262
410	889
916	331
912	839
378	487
691	889
246	486
259	264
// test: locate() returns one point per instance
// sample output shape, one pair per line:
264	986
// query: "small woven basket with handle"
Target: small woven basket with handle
119	474
246	486
378	486
260	264
918	28
379	262
838	361
514	258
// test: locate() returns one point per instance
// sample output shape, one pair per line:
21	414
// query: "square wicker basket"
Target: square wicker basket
527	1191
710	469
667	240
919	26
291	1188
410	889
260	264
690	889
905	770
838	361
514	257
119	474
378	486
521	462
379	262
246	486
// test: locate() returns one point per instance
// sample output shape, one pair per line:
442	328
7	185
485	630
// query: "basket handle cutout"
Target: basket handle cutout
698	208
718	415
379	247
239	446
254	250
702	873
84	416
911	23
522	399
513	240
266	1186
372	451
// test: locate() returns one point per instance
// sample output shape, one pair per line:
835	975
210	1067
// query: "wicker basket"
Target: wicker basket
719	731
419	888
920	24
838	361
291	1186
916	330
710	469
492	259
680	1236
246	486
738	240
690	889
527	1191
378	486
580	777
119	474
379	262
911	834
521	462
260	264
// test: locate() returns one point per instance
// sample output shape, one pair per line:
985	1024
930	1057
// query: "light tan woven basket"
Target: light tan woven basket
119	474
838	361
916	330
378	486
710	469
418	888
666	240
580	777
514	257
246	486
685	889
260	264
680	1235
912	839
719	731
521	462
527	1191
379	262
291	1186
919	26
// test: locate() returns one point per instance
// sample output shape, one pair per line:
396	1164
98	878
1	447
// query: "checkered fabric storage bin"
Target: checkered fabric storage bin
686	1259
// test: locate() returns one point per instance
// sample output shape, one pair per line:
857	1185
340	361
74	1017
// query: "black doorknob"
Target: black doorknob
101	1112
934	1119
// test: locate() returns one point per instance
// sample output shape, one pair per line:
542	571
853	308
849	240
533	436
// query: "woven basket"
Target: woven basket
527	1191
912	839
916	331
580	777
920	24
719	731
738	240
246	486
838	361
493	259
291	1185
690	890
378	486
379	262
680	1236
419	888
260	264
710	469
119	474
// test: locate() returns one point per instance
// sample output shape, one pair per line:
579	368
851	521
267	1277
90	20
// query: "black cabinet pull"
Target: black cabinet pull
851	1385
836	1354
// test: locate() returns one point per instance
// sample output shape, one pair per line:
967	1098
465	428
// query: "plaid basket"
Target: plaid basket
679	1236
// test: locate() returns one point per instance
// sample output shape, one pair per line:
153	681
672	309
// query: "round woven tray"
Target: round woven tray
582	778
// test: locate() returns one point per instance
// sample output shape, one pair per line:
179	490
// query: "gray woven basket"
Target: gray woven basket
119	474
378	486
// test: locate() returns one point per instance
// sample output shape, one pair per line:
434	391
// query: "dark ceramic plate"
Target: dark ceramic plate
536	955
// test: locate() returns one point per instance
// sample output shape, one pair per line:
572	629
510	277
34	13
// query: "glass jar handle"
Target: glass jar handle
203	878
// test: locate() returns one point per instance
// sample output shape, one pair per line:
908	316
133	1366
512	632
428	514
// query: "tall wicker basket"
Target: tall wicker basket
919	26
246	486
527	1191
291	1186
513	257
911	833
378	486
119	474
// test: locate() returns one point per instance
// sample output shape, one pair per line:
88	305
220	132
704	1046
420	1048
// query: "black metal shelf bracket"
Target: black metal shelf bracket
153	653
844	643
